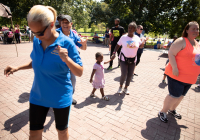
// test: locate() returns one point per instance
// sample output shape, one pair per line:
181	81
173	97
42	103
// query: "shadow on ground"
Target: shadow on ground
157	130
17	122
110	71
196	89
118	79
164	55
163	69
115	99
162	85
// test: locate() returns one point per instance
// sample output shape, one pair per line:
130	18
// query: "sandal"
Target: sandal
92	95
105	98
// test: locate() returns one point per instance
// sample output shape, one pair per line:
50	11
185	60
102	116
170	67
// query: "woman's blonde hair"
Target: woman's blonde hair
43	14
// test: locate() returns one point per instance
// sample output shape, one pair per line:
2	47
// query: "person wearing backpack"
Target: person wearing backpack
130	44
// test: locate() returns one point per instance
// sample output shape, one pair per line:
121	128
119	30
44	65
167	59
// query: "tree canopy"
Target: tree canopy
166	16
75	8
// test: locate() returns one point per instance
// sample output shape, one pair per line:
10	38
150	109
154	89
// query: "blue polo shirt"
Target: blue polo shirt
72	36
52	86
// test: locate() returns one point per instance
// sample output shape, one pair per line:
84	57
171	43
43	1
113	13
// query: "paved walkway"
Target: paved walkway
125	117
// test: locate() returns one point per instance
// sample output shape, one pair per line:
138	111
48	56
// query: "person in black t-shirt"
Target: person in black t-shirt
117	31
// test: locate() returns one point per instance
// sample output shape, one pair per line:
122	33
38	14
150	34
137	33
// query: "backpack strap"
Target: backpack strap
123	56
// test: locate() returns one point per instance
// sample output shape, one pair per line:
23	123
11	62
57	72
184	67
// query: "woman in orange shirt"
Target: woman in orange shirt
182	70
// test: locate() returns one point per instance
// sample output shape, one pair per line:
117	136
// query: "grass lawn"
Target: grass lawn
89	30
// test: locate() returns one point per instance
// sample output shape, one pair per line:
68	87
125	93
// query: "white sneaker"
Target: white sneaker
126	91
119	90
109	52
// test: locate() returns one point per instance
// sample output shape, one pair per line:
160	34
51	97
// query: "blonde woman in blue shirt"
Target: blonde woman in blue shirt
53	57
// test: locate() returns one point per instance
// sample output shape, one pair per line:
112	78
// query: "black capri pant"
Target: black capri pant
37	117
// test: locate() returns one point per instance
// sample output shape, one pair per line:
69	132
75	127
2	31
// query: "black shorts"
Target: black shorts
177	88
37	117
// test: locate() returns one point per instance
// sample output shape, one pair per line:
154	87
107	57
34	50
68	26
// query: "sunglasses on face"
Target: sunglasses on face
141	29
40	33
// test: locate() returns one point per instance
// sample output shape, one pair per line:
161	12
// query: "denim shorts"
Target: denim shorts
177	88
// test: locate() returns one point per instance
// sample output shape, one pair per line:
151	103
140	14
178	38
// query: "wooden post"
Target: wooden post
14	37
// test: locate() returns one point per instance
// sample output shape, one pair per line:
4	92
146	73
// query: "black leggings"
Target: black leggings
111	53
17	37
138	58
37	117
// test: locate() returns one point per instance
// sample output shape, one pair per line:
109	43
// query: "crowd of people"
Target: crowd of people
9	34
56	63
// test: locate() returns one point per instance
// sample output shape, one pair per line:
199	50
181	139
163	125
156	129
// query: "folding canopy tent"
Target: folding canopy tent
5	12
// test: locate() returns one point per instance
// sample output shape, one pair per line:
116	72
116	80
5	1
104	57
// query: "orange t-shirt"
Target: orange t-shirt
188	64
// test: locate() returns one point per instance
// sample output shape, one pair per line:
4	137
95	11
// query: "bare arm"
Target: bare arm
143	42
116	49
108	61
83	42
27	66
111	37
176	47
142	45
10	69
93	72
83	47
75	68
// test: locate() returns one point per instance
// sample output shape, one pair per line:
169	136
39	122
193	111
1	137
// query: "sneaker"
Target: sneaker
105	98
175	114
109	68
126	91
109	52
163	117
74	102
163	81
198	86
119	90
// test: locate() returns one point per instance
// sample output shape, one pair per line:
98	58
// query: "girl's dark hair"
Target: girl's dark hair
133	24
98	54
185	34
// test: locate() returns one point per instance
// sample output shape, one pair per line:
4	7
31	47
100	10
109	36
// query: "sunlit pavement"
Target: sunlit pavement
125	117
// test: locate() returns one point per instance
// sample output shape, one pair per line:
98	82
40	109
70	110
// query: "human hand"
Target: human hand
63	53
10	70
113	57
175	71
83	41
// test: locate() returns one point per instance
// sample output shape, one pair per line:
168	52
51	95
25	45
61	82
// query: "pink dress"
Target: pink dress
98	81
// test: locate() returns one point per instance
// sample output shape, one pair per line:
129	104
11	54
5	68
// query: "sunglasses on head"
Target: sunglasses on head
40	33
